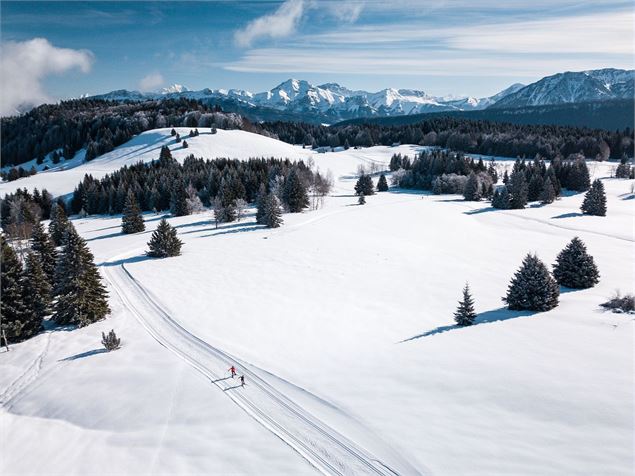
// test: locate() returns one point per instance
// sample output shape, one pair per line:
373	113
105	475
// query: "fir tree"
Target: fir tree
37	293
382	184
517	187
164	242
364	185
132	220
595	200
261	205
173	132
575	268
82	297
272	217
472	190
547	194
501	198
294	193
185	144
532	287
465	314
110	341
43	246
58	225
178	200
536	184
13	311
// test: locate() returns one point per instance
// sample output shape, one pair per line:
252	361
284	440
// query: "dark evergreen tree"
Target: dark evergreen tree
535	187
382	184
594	202
82	298
37	293
465	314
58	224
178	200
173	132
164	242
517	188
261	205
110	341
547	194
185	146
364	185
272	217
501	198
294	193
43	246
13	311
132	220
532	287
165	156
472	190
575	268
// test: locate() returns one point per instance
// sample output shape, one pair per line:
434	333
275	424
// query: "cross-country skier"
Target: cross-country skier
232	369
242	380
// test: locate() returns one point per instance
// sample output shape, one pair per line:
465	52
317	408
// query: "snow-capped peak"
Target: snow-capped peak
174	88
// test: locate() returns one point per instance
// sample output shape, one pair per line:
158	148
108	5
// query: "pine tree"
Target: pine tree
595	200
501	198
547	194
465	314
364	185
110	341
132	220
43	246
472	191
13	311
178	200
294	193
517	188
536	184
37	293
185	146
261	205
82	297
382	184
164	242
58	225
532	287
575	268
272	212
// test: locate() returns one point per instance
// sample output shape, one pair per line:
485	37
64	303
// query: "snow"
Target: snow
330	312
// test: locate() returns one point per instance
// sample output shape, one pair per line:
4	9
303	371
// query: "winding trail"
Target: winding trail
323	447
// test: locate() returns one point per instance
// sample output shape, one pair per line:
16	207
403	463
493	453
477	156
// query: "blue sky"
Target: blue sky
455	46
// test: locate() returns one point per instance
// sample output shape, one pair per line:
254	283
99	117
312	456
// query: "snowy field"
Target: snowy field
342	322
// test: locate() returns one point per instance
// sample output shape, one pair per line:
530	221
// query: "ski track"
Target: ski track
324	448
26	378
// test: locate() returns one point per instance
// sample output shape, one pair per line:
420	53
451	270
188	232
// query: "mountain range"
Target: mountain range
331	102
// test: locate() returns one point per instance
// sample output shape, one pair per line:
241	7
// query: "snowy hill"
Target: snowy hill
60	179
342	322
573	87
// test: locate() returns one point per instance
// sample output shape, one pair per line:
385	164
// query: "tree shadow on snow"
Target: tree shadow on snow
83	354
480	210
568	215
119	262
495	315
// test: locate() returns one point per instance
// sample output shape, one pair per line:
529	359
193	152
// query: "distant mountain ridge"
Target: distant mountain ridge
300	100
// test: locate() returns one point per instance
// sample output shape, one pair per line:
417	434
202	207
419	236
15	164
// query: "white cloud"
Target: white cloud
347	11
279	24
24	64
151	82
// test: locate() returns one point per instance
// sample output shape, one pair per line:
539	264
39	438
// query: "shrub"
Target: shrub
110	341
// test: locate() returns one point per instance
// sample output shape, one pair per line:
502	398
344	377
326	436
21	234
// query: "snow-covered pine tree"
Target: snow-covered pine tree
472	190
575	268
261	204
273	213
43	246
82	298
164	242
501	198
37	293
132	220
532	287
465	313
294	193
364	185
178	200
12	308
595	200
382	184
58	224
547	194
517	188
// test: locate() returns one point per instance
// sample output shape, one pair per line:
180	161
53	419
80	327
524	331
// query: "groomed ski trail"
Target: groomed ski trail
324	448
